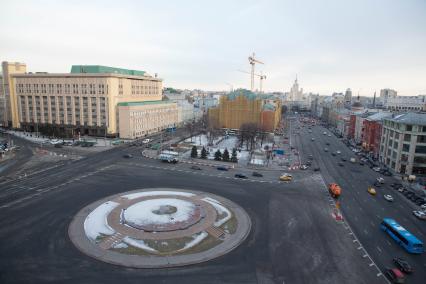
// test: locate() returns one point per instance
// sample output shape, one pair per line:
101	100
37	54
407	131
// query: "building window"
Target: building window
421	139
406	147
409	127
420	159
420	149
395	145
407	137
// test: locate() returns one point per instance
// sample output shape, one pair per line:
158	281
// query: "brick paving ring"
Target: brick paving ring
159	227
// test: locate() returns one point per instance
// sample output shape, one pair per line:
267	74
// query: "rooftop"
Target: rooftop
105	69
379	116
248	94
416	118
144	103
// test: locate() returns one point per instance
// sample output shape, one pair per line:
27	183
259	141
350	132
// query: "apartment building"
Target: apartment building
403	143
84	101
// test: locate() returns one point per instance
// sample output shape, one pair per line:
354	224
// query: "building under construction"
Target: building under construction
243	106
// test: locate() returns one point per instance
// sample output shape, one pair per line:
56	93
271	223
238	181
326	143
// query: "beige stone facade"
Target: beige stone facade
76	103
143	118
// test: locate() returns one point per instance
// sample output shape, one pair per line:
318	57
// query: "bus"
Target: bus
403	237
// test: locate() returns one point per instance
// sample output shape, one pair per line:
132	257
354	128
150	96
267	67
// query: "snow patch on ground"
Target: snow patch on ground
220	209
96	222
142	213
138	244
197	238
120	245
153	193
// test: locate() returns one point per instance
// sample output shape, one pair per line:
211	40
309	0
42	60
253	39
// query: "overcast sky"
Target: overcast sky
331	45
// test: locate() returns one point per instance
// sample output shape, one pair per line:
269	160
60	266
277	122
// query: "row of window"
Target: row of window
84	89
40	112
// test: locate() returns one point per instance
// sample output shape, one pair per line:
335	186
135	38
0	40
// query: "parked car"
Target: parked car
395	275
423	207
127	156
333	154
387	173
257	174
380	180
388	197
240	176
376	169
310	157
338	152
327	143
340	164
361	163
145	141
194	167
313	139
420	214
303	167
316	169
343	159
403	265
325	149
222	168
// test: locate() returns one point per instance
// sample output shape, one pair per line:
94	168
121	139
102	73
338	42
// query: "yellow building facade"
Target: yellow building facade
242	106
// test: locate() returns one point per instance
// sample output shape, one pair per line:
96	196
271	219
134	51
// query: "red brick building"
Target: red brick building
372	131
351	128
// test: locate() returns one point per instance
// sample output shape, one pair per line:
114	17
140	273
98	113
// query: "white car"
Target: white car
380	180
388	197
313	139
303	167
324	133
423	207
146	141
420	214
329	135
338	152
376	169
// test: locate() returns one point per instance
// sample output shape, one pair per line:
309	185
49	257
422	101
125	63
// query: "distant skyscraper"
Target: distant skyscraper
386	94
348	97
295	93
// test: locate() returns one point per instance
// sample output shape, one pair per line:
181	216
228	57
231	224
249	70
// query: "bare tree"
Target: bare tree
248	133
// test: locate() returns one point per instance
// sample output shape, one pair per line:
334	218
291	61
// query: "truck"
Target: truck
334	190
169	157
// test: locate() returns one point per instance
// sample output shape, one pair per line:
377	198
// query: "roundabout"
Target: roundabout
157	228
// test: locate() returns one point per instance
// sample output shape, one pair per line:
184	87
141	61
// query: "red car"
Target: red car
395	275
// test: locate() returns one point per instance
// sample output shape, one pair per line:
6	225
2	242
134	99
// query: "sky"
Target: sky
331	45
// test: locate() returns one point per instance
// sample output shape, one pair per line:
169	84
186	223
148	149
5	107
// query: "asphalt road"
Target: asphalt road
294	238
363	211
21	156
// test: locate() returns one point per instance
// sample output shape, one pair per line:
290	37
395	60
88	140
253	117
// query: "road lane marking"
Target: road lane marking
379	249
371	264
379	274
388	242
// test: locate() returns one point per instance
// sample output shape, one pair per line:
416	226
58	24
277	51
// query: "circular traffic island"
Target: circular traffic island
156	228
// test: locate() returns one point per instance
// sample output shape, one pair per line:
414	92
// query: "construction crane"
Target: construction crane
261	77
253	61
